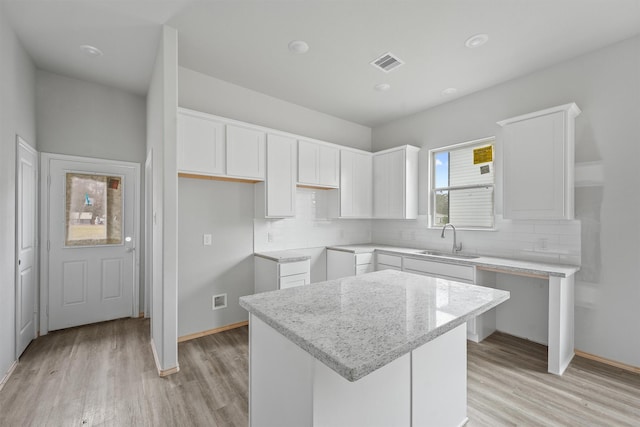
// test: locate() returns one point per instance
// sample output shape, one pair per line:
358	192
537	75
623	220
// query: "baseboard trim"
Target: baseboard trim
162	372
212	331
609	362
8	374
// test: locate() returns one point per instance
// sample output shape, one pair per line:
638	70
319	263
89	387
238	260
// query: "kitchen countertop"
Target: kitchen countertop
504	264
283	256
358	324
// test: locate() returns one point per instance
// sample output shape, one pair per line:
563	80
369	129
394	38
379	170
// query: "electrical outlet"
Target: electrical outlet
270	237
206	239
219	301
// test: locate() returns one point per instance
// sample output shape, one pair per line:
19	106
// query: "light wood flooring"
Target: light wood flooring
104	374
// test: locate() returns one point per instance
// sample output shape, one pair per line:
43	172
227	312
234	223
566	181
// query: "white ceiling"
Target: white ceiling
245	42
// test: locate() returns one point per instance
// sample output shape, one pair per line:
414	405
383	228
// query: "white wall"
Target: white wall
606	86
205	93
162	104
225	210
81	118
220	208
17	116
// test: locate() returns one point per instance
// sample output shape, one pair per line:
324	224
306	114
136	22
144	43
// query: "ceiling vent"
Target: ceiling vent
387	62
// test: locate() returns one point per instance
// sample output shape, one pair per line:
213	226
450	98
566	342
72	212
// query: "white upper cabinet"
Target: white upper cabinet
245	152
318	164
201	146
280	200
356	184
538	178
395	183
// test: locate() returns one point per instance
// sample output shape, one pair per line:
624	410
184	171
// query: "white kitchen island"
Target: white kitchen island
380	349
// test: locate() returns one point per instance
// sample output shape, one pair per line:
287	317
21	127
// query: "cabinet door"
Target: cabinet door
318	164
534	159
281	176
201	147
308	159
328	165
381	186
395	183
340	264
245	152
355	184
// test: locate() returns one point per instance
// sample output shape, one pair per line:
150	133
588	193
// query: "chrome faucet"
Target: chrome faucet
456	247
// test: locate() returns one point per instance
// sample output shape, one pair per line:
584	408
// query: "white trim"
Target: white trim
571	109
20	142
162	372
45	159
12	368
148	233
488	140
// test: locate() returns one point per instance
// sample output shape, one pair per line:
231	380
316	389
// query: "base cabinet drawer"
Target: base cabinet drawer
442	269
298	267
366	258
271	275
389	261
364	269
294	280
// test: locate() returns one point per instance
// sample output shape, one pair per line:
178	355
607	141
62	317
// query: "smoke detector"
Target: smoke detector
387	62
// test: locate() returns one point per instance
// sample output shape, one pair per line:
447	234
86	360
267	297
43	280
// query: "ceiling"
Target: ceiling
245	43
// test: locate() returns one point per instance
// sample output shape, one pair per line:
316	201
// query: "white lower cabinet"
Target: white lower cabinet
344	264
388	262
270	275
461	273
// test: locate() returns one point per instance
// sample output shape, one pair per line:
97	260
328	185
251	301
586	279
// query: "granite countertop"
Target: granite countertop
505	264
283	256
358	324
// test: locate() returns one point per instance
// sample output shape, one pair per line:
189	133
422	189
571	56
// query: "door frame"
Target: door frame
20	142
45	183
148	233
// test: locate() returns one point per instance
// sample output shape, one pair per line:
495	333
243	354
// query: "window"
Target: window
462	184
93	210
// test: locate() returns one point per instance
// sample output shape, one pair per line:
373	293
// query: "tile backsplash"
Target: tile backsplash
311	226
553	241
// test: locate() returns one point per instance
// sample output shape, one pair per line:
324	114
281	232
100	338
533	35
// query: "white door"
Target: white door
26	273
92	206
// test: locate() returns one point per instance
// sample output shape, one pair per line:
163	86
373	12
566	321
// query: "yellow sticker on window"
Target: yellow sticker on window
483	154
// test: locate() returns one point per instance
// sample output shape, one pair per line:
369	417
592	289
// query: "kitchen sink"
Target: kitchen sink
447	254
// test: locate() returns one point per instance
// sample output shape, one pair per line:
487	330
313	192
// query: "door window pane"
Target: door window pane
93	210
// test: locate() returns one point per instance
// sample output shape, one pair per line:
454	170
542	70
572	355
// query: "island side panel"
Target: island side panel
439	380
280	379
561	323
382	398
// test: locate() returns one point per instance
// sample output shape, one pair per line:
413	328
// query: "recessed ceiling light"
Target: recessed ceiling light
90	50
476	40
298	47
382	87
449	91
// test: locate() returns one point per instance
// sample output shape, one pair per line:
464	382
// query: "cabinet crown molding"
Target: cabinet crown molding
571	109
